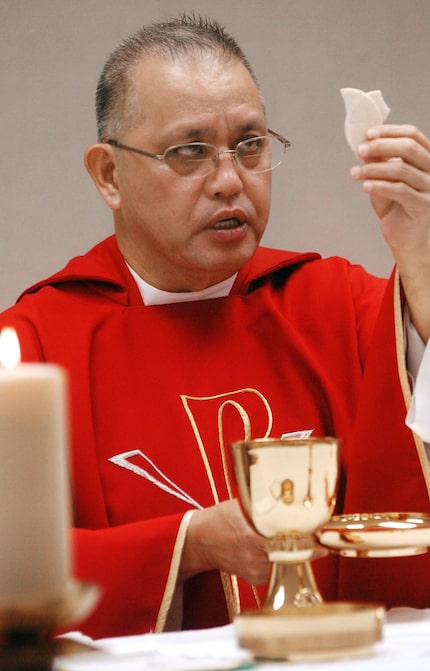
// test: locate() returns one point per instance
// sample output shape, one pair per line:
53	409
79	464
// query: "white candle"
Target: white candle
34	488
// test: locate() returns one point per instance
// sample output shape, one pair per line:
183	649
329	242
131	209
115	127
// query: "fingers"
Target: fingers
395	172
393	145
220	538
245	551
399	131
396	167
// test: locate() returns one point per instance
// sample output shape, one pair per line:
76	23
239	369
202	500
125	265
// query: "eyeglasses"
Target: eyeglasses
199	159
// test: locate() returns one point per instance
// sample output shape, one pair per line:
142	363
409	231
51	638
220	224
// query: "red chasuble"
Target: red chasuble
159	392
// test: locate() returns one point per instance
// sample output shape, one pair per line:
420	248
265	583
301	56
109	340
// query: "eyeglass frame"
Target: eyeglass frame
214	160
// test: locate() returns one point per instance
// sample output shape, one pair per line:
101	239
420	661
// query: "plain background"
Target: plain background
303	52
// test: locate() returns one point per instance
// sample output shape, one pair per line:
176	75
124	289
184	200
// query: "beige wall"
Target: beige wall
304	51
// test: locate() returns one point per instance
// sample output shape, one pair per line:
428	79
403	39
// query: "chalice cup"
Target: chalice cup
287	489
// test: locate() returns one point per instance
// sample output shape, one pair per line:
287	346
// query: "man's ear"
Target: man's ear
100	162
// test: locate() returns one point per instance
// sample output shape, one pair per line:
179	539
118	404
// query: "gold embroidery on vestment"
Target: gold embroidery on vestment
185	398
172	578
229	582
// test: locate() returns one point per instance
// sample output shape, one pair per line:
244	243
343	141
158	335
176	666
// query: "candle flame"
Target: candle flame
10	351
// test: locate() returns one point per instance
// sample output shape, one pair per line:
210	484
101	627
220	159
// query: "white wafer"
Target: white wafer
363	110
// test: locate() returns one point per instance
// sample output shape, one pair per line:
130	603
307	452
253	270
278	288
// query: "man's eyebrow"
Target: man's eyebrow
187	132
252	126
192	132
196	131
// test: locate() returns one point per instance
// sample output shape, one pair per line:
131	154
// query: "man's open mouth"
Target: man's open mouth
226	224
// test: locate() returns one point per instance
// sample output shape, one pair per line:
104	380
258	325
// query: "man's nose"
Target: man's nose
226	179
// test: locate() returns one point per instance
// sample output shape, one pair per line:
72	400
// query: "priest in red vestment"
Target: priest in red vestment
181	334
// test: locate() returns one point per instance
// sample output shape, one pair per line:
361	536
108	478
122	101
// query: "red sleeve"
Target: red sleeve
126	562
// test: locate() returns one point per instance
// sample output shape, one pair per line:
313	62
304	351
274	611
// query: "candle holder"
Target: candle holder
26	629
287	488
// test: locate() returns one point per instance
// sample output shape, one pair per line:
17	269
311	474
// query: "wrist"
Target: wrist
192	558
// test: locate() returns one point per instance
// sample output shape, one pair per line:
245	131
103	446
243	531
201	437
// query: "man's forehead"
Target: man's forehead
207	69
174	90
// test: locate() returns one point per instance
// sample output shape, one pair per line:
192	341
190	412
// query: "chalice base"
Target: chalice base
327	631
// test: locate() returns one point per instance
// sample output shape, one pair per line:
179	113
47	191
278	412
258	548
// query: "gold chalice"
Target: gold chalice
287	488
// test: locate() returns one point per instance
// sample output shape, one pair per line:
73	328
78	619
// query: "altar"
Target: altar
405	644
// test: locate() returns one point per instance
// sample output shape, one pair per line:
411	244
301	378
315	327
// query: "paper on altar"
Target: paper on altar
201	650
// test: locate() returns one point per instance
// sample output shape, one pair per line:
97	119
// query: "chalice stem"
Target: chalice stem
292	584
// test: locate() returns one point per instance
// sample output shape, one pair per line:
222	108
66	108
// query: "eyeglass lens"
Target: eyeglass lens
196	159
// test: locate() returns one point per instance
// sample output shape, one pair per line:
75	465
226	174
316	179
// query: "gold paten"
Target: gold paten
377	534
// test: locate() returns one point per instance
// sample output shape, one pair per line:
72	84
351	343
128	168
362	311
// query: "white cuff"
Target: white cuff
418	365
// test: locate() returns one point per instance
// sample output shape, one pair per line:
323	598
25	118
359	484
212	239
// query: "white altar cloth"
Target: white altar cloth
405	646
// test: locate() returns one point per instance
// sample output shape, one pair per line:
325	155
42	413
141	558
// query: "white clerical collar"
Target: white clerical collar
153	296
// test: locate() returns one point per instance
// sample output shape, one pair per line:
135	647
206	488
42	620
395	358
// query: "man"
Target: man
180	335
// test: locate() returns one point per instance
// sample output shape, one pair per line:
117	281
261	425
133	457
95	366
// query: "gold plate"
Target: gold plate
377	534
327	631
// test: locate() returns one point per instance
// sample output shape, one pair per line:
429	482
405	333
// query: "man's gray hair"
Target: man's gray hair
171	40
